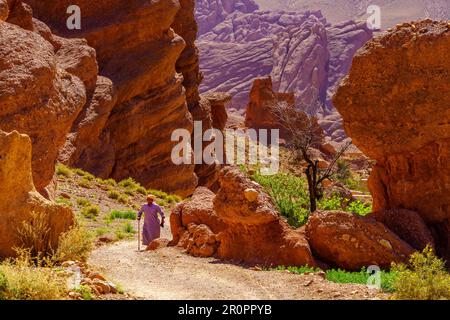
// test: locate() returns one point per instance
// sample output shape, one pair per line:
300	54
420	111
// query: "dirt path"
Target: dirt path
169	273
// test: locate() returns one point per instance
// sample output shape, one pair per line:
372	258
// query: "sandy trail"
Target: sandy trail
169	273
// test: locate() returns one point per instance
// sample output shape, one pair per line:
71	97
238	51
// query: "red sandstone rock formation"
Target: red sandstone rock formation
39	94
231	226
259	114
395	104
19	198
351	242
125	127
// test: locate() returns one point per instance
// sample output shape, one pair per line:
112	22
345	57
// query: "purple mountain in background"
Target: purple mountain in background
301	51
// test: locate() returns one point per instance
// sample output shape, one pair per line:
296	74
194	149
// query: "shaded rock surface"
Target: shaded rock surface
19	197
230	227
395	106
351	242
137	97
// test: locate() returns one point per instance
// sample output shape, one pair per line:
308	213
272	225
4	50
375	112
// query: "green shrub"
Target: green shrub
360	208
173	199
130	191
86	292
290	195
158	193
426	278
298	270
101	231
85	183
334	203
83	202
91	212
126	215
123	199
141	190
120	235
128	228
110	182
34	235
63	171
74	245
361	277
113	194
128	183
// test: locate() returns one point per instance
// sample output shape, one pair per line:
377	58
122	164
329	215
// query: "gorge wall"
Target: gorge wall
107	104
395	105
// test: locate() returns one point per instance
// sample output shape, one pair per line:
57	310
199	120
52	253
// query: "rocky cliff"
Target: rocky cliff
123	93
395	105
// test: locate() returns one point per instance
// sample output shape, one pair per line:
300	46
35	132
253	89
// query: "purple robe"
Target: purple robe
152	225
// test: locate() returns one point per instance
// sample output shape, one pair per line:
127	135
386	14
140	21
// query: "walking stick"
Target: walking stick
139	235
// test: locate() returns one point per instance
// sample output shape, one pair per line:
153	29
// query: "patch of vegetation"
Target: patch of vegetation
120	235
64	201
129	191
126	215
333	203
83	202
425	278
85	183
101	231
129	183
342	276
141	190
128	228
123	199
63	171
290	195
34	235
91	212
74	245
360	208
113	194
86	292
86	175
22	279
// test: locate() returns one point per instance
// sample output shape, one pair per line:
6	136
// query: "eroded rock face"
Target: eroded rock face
125	127
395	105
38	95
212	12
19	198
231	227
351	242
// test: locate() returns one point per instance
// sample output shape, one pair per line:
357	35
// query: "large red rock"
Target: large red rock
37	96
19	198
233	226
395	105
126	126
351	242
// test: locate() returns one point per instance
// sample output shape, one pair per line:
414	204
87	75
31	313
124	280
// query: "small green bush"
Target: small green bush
129	191
334	203
128	228
128	184
123	199
141	190
110	182
83	202
113	194
63	171
91	212
360	208
426	278
86	292
126	215
85	183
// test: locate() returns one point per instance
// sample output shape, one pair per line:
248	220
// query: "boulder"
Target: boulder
19	198
394	104
230	227
351	242
408	225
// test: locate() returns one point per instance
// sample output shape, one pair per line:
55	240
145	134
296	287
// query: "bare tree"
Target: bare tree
304	134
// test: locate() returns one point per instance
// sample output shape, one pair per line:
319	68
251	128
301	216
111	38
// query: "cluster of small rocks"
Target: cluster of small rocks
81	275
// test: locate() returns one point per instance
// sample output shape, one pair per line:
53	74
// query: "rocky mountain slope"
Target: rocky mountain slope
301	51
393	11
